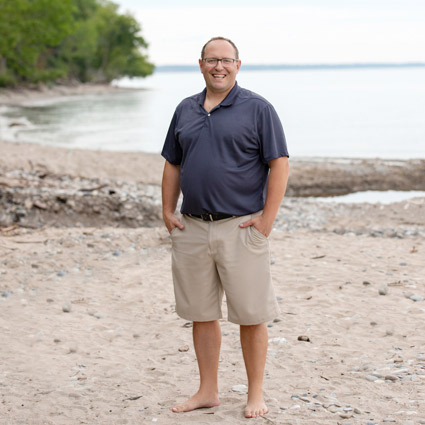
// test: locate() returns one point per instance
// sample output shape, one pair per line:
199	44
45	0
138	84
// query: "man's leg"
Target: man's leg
254	340
207	342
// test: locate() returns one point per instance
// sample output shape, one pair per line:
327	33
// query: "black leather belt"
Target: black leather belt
211	216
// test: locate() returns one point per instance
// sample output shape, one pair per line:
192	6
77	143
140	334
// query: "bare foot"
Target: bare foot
198	401
255	406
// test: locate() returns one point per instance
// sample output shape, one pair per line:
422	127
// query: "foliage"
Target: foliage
84	40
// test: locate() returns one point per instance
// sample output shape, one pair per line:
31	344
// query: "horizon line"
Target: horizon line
259	67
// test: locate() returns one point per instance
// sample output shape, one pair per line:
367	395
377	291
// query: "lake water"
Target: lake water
374	197
336	113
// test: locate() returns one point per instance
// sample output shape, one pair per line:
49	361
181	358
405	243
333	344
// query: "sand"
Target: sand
89	334
122	340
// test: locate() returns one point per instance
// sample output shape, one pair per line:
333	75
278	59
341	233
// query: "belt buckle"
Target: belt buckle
207	217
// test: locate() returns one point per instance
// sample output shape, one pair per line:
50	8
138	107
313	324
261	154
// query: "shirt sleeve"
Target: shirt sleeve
171	150
271	134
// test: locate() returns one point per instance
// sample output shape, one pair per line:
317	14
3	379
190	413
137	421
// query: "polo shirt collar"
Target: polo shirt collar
230	98
227	101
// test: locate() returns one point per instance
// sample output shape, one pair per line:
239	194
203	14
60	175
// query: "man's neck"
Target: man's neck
212	99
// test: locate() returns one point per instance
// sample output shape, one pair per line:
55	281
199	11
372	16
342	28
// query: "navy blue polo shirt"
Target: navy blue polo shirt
223	154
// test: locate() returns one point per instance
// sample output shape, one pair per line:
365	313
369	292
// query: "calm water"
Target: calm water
338	113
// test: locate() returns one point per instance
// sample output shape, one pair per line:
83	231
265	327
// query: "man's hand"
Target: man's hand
261	223
170	195
276	186
171	221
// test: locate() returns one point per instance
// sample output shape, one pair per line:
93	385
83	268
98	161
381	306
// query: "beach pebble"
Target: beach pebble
366	283
304	338
116	253
67	307
60	273
357	411
346	415
277	340
383	290
73	348
389	420
391	378
334	409
184	348
5	294
416	298
371	378
241	388
277	320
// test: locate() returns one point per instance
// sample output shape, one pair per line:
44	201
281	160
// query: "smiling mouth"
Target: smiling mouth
219	76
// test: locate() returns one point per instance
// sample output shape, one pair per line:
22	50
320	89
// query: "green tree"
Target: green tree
119	46
87	40
29	30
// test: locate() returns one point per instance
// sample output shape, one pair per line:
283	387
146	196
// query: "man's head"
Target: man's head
220	76
236	54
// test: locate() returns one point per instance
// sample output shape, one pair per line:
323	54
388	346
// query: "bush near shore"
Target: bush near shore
66	40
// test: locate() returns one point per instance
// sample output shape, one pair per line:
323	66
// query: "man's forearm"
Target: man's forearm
276	187
170	188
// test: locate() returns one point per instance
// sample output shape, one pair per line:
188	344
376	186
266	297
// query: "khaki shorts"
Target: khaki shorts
209	258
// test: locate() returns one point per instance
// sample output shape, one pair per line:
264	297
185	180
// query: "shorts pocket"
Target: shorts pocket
256	234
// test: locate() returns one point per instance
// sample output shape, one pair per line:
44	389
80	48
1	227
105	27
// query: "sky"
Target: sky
285	31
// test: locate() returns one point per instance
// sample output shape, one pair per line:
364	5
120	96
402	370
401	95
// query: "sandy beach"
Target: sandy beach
89	334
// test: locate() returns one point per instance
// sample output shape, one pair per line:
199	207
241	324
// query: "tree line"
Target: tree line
69	40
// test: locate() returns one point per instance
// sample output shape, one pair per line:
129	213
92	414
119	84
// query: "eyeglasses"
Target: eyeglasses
224	61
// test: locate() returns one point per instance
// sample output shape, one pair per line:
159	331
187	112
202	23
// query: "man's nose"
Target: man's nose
219	65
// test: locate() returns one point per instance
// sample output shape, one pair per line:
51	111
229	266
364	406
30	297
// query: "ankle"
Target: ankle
255	391
207	391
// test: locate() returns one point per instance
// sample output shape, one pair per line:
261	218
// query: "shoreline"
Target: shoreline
21	95
43	186
309	176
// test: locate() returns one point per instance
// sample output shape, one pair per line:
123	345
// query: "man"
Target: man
226	151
